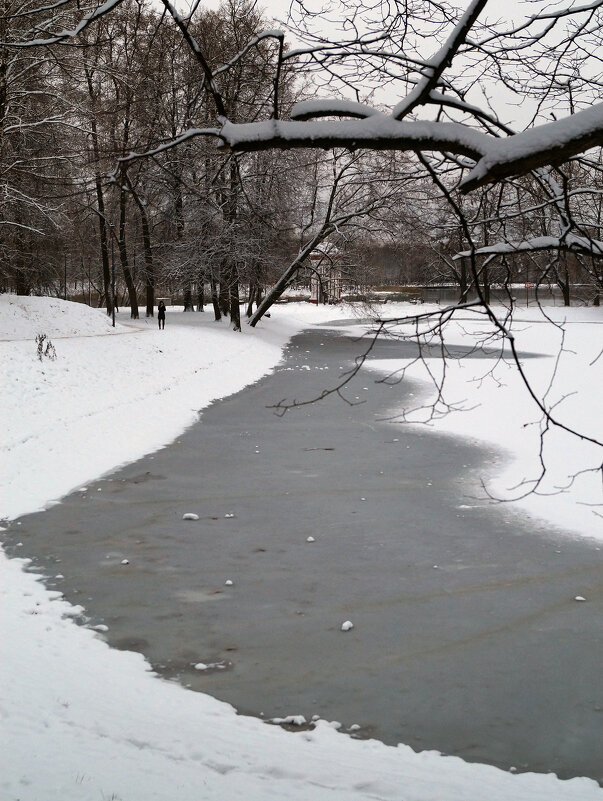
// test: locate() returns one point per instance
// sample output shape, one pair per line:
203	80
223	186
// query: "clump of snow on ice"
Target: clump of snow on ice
190	516
310	539
73	611
579	598
212	665
229	514
228	583
347	625
125	561
292	720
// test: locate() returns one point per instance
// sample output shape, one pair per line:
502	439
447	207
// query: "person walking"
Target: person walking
161	314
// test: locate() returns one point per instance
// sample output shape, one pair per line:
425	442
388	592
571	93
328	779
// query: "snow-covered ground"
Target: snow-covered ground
493	406
81	721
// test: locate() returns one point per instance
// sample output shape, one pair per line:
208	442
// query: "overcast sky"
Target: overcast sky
511	10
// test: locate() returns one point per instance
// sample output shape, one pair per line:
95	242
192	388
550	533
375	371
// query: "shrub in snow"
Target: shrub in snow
48	351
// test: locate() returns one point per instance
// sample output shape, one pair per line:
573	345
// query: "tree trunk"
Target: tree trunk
100	200
283	282
215	300
235	307
486	284
251	299
562	280
229	283
224	293
188	298
464	283
22	279
102	224
148	253
21	276
201	296
565	287
123	256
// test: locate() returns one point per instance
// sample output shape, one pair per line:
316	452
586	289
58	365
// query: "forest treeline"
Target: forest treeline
81	218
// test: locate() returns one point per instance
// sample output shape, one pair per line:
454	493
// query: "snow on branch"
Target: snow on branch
191	133
276	34
496	157
337	48
570	241
57	38
552	143
377	132
564	12
199	55
442	59
314	109
30	12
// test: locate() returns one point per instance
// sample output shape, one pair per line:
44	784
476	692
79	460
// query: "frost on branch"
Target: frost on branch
440	95
570	241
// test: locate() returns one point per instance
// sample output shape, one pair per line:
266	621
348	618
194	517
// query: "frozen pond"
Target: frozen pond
466	636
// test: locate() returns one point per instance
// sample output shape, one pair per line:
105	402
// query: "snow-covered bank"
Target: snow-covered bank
565	366
81	721
112	395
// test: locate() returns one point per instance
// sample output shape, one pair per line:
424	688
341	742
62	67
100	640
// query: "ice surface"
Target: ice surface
80	720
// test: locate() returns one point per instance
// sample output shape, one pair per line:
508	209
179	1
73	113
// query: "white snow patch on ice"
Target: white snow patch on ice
496	410
292	720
